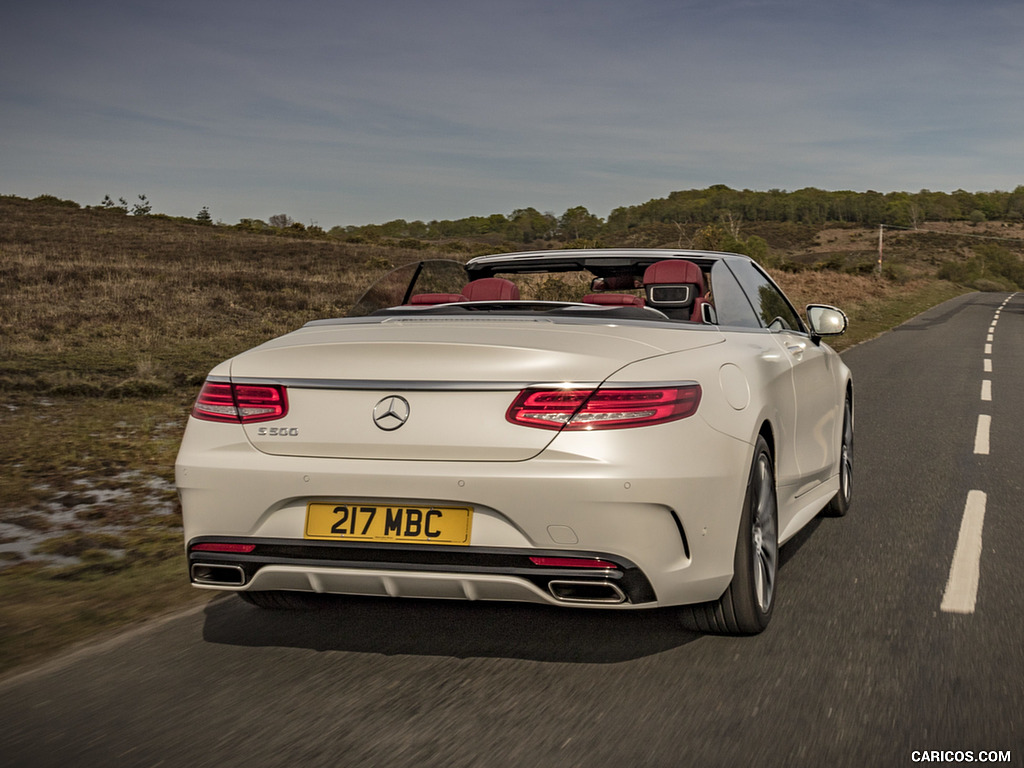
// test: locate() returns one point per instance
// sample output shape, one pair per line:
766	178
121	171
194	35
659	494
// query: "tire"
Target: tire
840	503
747	604
280	601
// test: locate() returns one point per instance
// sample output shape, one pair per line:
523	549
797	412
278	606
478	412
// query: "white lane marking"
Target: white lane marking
988	365
990	337
981	434
988	349
961	593
986	390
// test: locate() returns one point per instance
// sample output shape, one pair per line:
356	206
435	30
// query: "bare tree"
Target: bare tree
734	223
682	236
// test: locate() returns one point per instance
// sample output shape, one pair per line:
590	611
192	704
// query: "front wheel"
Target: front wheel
746	606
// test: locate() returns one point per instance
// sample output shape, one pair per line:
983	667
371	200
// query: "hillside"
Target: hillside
102	303
98	302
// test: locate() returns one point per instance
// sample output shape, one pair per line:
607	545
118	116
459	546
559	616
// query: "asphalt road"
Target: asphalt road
861	665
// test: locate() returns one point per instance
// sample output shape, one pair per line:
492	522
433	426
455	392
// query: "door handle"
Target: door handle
796	350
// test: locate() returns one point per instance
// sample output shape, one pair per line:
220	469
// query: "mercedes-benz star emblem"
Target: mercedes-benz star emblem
391	413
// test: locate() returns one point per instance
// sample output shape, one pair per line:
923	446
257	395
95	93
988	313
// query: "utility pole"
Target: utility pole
880	228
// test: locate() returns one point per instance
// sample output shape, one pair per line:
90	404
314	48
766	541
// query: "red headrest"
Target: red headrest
674	272
491	289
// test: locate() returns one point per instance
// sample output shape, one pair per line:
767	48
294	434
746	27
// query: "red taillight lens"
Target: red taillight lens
260	403
218	547
240	403
216	402
610	408
546	408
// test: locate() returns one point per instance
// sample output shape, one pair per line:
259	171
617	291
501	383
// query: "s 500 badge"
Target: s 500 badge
278	431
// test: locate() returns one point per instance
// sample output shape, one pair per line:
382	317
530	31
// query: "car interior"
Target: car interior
676	288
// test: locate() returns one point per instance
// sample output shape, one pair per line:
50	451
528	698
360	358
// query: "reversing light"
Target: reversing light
223	547
240	403
607	408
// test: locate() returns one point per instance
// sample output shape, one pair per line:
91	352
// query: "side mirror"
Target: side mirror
825	320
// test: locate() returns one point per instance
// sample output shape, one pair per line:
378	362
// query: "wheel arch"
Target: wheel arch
767	431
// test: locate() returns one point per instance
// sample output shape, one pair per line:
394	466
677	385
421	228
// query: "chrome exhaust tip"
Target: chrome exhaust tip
586	592
218	575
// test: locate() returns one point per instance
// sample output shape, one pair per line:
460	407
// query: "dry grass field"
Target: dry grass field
109	323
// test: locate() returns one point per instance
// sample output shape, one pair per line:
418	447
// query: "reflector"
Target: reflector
572	562
223	547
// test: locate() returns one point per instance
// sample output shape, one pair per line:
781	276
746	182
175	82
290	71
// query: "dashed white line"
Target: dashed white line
981	434
961	593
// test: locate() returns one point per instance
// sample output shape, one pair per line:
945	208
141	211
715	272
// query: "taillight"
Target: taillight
223	547
240	403
608	408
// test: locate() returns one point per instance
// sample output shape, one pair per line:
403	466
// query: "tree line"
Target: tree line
817	206
716	205
693	214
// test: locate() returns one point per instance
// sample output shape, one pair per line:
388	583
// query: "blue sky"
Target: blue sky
361	112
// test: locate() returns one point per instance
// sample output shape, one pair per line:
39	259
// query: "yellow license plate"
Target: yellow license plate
404	523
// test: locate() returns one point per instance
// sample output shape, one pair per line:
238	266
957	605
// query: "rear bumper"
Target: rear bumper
464	573
630	498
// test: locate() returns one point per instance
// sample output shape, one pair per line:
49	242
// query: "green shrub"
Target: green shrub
51	200
989	286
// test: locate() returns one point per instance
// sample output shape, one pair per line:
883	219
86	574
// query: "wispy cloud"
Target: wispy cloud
353	112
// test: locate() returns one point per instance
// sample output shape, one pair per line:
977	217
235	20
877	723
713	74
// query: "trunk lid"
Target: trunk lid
434	389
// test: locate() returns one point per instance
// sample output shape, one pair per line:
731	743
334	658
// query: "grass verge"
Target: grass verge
45	611
872	317
90	526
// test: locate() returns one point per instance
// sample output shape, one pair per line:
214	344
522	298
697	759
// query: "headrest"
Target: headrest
673	283
674	272
491	289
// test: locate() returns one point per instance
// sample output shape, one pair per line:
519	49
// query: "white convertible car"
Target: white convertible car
588	428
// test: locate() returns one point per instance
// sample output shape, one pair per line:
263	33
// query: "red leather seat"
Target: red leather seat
614	299
676	287
491	289
422	299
